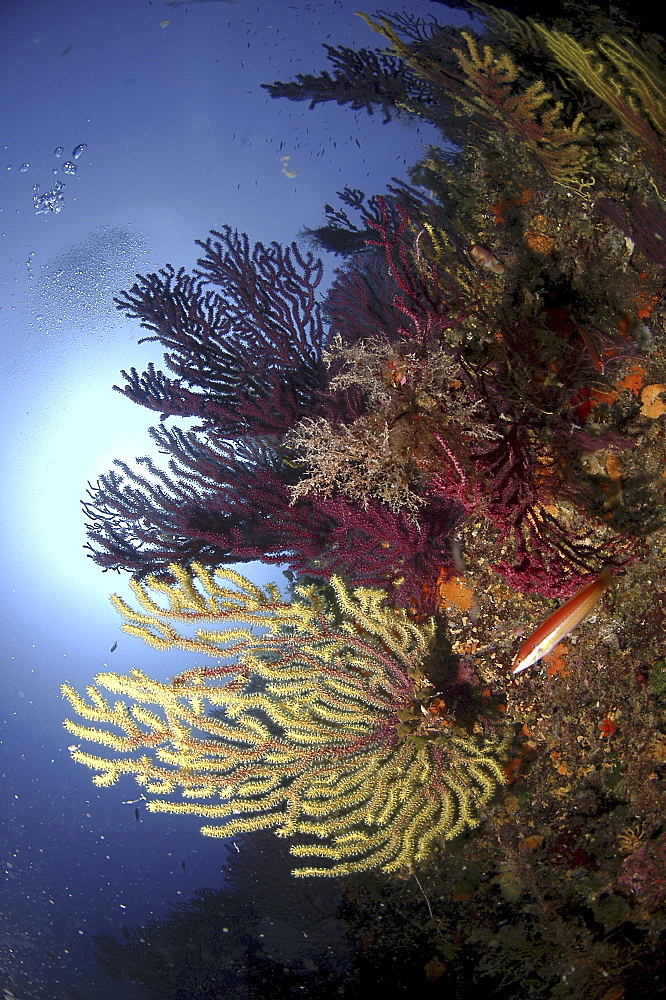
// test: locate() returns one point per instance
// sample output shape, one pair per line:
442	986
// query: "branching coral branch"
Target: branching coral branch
364	79
231	502
428	299
625	79
244	336
530	114
303	733
487	86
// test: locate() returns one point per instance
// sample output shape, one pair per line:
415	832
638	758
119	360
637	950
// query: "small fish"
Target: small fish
114	647
484	258
561	622
136	815
182	865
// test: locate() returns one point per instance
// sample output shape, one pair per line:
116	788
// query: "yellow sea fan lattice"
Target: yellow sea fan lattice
490	86
296	727
625	78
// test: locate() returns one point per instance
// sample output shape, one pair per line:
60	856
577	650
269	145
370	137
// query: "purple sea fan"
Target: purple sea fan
385	293
507	487
429	299
244	338
360	302
228	503
540	554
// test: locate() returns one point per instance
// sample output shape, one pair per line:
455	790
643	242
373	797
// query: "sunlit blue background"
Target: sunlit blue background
180	138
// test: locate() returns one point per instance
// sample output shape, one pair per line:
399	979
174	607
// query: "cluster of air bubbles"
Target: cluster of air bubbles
68	166
75	289
49	201
53	200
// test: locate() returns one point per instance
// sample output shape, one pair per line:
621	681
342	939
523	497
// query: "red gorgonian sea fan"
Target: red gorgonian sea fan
503	439
245	339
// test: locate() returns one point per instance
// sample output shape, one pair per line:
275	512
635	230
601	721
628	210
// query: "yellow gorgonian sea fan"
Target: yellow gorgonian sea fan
489	84
299	725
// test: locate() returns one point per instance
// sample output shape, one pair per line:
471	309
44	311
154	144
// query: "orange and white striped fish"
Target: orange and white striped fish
558	625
